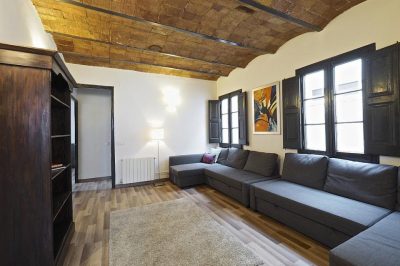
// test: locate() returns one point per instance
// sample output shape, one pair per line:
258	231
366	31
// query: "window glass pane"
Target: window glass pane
315	137
349	107
234	103
235	136
350	138
224	106
314	85
235	120
225	136
348	76
314	111
225	123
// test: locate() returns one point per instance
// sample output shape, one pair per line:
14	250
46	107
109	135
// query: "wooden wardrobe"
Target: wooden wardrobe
35	199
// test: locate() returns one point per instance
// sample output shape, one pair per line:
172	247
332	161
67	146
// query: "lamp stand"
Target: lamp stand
158	183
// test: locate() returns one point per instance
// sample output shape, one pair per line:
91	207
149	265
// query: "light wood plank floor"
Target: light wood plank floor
272	241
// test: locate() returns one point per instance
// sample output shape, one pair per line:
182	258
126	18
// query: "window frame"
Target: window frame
328	66
229	97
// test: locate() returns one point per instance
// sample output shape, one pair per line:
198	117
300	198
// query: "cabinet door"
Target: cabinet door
381	103
213	121
291	113
25	193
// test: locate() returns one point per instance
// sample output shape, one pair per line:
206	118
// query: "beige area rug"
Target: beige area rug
173	233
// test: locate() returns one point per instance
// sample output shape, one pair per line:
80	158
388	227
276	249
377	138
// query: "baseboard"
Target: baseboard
141	183
95	179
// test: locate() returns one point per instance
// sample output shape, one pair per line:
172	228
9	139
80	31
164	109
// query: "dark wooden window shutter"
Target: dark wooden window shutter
213	121
243	129
381	103
291	113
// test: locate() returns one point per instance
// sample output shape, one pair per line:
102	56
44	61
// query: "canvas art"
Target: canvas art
266	111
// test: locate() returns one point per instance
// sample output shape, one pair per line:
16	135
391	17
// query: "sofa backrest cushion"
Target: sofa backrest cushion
305	169
237	158
223	155
398	189
375	184
261	163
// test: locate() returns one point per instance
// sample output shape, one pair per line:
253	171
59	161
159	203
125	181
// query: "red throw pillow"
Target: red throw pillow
208	158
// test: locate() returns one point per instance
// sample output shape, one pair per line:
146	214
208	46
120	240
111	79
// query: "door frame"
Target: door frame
111	89
76	138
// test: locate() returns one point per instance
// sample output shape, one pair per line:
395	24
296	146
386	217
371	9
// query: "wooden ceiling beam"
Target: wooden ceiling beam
155	24
280	14
143	49
129	62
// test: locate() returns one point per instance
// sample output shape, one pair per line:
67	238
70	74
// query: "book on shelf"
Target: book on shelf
55	166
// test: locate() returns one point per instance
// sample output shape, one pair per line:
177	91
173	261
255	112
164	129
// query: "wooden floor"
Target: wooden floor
272	241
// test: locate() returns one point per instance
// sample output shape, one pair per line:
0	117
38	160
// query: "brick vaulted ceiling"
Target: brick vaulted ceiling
202	39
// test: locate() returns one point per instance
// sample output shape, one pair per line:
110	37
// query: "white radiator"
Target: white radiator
136	170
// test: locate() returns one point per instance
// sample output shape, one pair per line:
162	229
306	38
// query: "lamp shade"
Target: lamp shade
157	134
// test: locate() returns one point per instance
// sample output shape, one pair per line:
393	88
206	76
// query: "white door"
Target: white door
94	133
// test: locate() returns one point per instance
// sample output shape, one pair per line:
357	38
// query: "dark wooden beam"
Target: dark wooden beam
281	15
129	62
155	24
143	49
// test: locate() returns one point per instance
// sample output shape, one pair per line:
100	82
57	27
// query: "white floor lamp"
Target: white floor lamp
158	135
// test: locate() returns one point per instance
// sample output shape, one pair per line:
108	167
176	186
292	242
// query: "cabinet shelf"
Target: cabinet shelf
59	202
58	102
60	136
57	171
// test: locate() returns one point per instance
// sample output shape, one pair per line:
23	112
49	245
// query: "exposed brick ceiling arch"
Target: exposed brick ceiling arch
190	38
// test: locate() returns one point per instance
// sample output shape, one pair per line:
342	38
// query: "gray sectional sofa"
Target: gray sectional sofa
232	174
349	206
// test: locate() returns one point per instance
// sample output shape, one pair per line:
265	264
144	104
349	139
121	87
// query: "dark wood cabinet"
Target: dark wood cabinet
381	111
35	200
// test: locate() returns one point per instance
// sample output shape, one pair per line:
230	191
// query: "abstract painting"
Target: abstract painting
266	109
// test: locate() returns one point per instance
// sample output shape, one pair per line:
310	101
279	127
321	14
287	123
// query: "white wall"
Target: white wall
139	106
374	21
20	25
94	133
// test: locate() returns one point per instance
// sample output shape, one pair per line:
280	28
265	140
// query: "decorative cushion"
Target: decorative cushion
208	158
223	155
237	158
371	183
261	163
305	169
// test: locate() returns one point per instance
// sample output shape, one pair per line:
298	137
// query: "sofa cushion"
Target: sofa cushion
231	176
191	169
371	183
305	169
261	163
378	245
237	158
343	214
398	189
223	155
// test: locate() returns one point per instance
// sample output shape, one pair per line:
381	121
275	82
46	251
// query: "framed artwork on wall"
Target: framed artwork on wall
266	109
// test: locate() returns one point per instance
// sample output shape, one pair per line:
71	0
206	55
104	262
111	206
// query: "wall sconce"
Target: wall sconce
172	99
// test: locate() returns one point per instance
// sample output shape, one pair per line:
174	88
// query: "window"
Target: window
230	114
314	111
332	107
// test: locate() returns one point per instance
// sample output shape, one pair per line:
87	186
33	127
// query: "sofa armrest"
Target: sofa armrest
185	159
